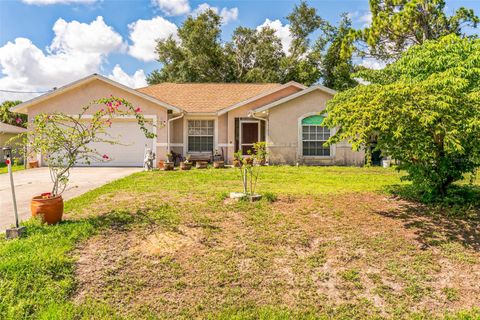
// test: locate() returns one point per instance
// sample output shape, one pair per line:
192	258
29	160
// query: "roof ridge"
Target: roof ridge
215	83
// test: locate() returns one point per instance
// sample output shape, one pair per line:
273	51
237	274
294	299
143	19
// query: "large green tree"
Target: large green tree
398	24
198	55
255	55
337	69
9	117
302	64
424	110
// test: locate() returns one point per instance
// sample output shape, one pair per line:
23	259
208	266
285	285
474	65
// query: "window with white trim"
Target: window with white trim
200	135
314	135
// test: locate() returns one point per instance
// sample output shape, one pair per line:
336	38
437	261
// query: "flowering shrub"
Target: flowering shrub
66	140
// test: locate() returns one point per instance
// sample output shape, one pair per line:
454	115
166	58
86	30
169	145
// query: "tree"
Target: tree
302	64
255	55
424	110
198	56
337	69
9	117
251	56
398	24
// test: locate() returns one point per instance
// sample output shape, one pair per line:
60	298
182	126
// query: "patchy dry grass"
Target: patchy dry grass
333	245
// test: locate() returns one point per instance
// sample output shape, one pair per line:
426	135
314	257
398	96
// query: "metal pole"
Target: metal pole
13	191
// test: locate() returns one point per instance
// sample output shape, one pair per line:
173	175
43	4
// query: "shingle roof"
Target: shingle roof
206	97
8	128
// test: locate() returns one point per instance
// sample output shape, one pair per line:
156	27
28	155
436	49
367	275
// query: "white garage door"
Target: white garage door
130	152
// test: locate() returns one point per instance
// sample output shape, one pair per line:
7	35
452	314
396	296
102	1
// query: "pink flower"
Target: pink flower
109	122
138	110
105	157
18	120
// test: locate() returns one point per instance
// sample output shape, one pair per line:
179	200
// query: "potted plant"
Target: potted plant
201	164
32	163
67	140
217	160
168	165
186	165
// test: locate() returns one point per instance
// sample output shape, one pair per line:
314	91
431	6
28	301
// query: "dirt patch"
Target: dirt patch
304	253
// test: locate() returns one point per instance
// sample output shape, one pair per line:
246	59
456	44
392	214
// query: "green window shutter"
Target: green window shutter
313	120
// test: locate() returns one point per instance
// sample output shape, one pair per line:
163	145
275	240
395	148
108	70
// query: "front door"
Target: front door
249	135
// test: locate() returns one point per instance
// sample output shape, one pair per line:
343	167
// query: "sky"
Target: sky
50	43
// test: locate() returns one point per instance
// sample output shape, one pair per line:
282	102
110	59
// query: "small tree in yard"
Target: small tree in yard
250	168
66	140
423	109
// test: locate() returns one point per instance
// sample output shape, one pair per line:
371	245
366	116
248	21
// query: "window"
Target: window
314	135
200	135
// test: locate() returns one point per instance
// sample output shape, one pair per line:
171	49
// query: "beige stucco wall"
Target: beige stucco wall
283	137
71	102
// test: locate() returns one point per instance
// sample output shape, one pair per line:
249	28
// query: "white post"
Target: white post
8	159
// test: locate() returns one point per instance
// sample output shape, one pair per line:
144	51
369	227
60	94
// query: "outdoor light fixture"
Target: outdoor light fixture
17	231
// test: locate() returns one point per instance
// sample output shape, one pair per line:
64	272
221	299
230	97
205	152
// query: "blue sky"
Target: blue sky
47	43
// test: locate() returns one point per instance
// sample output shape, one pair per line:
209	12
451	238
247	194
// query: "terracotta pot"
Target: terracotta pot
218	164
237	163
201	164
185	165
161	164
249	160
168	166
50	209
33	164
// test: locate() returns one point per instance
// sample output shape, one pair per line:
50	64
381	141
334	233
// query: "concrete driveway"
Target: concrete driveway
29	183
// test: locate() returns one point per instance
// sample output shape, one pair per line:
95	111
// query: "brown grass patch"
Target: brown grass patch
303	253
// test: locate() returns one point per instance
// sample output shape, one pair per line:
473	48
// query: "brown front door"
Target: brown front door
249	136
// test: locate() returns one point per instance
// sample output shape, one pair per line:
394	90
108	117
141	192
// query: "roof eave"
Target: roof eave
23	107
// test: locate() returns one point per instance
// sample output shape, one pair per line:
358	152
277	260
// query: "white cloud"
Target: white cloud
48	2
95	37
227	14
144	34
173	7
364	18
372	63
77	50
137	80
281	31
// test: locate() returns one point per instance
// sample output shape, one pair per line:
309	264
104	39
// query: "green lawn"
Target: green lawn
335	244
15	167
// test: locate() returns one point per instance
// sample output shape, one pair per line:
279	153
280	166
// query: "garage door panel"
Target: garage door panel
130	150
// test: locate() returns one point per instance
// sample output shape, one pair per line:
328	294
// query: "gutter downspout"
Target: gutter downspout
251	114
168	129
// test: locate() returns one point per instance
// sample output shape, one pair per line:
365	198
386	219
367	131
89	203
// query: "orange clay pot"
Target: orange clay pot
50	209
33	164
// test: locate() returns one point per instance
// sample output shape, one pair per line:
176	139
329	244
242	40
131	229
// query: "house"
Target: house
197	118
7	131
